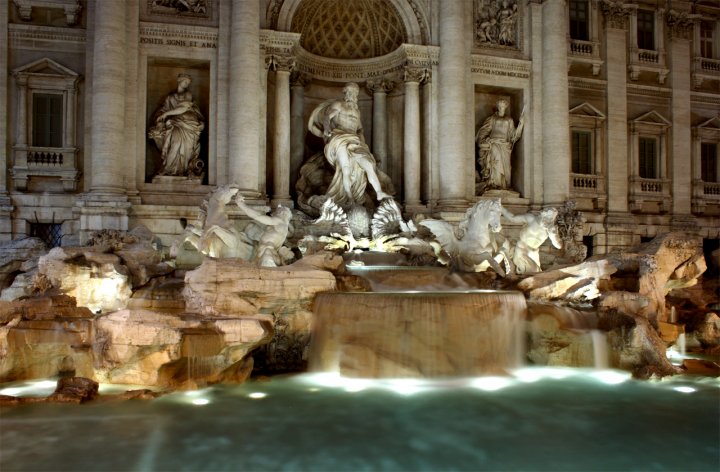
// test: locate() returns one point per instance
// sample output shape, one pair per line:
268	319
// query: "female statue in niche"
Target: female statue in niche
176	132
495	140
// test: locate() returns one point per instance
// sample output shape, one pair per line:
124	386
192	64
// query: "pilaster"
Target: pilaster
452	107
6	206
298	81
680	27
244	103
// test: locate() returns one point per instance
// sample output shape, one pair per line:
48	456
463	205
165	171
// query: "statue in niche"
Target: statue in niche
538	227
269	250
496	22
338	123
495	140
478	244
176	132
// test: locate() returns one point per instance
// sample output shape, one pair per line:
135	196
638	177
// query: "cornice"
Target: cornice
46	37
497	66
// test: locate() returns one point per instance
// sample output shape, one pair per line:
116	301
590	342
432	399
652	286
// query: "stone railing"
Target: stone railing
705	69
587	52
656	191
648	56
587	186
45	162
647	60
705	194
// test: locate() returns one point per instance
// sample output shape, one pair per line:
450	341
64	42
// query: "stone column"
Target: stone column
681	29
619	224
281	141
108	103
452	106
428	174
379	89
244	103
21	128
411	138
6	207
106	205
298	81
533	178
70	117
556	127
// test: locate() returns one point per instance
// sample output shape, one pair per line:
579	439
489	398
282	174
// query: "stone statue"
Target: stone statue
495	140
176	132
525	256
478	245
338	123
269	251
212	234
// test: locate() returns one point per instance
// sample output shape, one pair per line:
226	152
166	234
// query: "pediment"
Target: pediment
711	124
652	118
587	110
46	66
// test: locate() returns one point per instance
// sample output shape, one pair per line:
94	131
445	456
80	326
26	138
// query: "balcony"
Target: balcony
647	60
590	188
585	52
706	197
705	69
32	161
649	195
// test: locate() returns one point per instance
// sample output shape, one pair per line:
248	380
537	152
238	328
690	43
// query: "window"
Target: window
648	158
50	233
646	29
582	152
708	162
706	39
579	20
47	120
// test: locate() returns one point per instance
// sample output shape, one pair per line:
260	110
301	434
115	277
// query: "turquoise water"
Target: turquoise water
541	419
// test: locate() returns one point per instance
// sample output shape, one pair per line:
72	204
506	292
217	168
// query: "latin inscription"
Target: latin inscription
178	42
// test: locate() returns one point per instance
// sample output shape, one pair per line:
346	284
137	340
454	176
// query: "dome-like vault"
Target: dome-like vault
344	29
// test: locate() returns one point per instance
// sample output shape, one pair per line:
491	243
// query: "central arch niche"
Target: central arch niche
360	29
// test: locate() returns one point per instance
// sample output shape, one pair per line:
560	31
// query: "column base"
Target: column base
686	223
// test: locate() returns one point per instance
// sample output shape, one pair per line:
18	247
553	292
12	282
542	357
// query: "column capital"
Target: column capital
680	24
282	62
414	74
381	85
616	13
299	79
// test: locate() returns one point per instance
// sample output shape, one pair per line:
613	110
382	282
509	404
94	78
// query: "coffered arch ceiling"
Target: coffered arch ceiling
357	29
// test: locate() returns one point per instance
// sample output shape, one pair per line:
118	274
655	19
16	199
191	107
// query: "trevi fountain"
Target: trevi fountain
341	335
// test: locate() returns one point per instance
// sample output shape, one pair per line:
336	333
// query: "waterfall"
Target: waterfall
600	349
417	334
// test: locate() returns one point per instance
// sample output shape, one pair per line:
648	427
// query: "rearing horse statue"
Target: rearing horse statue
476	247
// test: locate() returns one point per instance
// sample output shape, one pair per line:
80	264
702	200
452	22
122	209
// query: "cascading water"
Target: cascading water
417	334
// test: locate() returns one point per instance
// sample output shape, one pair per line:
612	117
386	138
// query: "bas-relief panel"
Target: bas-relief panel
497	24
161	80
190	12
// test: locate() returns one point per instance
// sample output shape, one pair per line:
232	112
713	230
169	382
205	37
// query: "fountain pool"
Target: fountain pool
536	419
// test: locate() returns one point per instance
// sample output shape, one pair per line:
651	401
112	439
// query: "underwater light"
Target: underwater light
257	395
490	384
404	387
12	391
684	389
44	384
611	377
200	401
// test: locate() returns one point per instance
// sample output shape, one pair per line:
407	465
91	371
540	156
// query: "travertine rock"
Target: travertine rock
45	337
231	288
170	350
17	257
96	280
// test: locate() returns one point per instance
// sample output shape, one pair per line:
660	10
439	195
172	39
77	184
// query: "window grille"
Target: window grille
50	233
